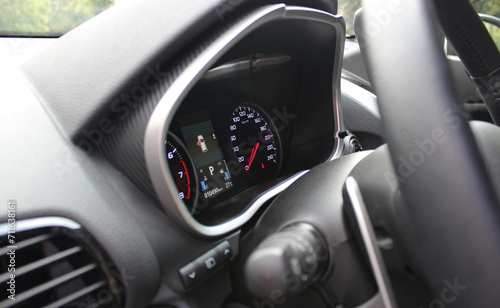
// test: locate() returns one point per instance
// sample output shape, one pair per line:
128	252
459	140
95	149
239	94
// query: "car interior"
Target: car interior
249	153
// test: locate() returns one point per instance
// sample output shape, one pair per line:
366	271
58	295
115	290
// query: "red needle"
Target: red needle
252	156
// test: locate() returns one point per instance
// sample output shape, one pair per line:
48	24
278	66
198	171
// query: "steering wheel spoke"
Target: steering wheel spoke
450	209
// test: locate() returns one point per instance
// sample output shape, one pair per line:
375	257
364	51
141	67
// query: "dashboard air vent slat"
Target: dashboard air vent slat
51	284
41	263
68	299
26	243
55	266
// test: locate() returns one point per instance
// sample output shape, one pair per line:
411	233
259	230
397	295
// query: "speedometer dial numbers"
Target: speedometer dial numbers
254	142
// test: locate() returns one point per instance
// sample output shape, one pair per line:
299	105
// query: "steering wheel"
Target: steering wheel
451	229
434	192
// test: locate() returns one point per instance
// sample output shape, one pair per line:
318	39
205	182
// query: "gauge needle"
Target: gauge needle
252	156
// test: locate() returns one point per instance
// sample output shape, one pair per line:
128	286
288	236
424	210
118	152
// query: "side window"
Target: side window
347	8
490	13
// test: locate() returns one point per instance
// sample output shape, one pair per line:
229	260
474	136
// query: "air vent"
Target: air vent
52	262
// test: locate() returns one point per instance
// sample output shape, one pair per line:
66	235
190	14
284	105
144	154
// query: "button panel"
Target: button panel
208	261
190	275
224	251
206	264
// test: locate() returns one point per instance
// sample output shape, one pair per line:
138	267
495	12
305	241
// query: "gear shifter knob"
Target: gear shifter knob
287	261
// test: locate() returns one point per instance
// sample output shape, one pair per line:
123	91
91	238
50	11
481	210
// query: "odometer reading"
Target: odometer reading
254	142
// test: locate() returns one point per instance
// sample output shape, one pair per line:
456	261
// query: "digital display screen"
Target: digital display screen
203	147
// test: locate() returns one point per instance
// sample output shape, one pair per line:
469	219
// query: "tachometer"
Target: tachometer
254	141
182	170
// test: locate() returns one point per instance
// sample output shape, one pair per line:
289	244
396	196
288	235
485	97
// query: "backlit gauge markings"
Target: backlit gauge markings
254	142
181	170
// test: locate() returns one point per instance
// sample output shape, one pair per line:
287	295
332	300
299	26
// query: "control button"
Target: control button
208	261
190	274
206	264
224	251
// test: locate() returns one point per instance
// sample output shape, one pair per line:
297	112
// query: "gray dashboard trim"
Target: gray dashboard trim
365	97
163	114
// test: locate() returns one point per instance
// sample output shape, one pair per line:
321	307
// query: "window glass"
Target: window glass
46	18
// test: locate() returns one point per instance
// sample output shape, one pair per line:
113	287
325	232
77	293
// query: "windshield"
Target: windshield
53	18
46	18
347	8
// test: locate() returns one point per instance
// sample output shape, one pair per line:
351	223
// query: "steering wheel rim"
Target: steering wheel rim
439	168
474	45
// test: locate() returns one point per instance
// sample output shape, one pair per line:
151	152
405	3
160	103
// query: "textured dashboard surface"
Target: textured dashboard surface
47	176
81	76
361	120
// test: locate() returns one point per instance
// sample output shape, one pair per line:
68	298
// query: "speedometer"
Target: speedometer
254	142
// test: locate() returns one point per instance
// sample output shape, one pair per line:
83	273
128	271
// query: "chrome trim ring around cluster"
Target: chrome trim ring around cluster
164	112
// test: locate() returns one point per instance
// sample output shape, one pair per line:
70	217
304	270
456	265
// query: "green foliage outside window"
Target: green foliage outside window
46	18
52	18
490	7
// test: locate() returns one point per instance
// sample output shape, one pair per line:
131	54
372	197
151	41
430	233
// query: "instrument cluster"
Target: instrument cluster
200	166
246	117
228	134
239	132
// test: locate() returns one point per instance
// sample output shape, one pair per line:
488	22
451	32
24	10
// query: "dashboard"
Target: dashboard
181	153
175	159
